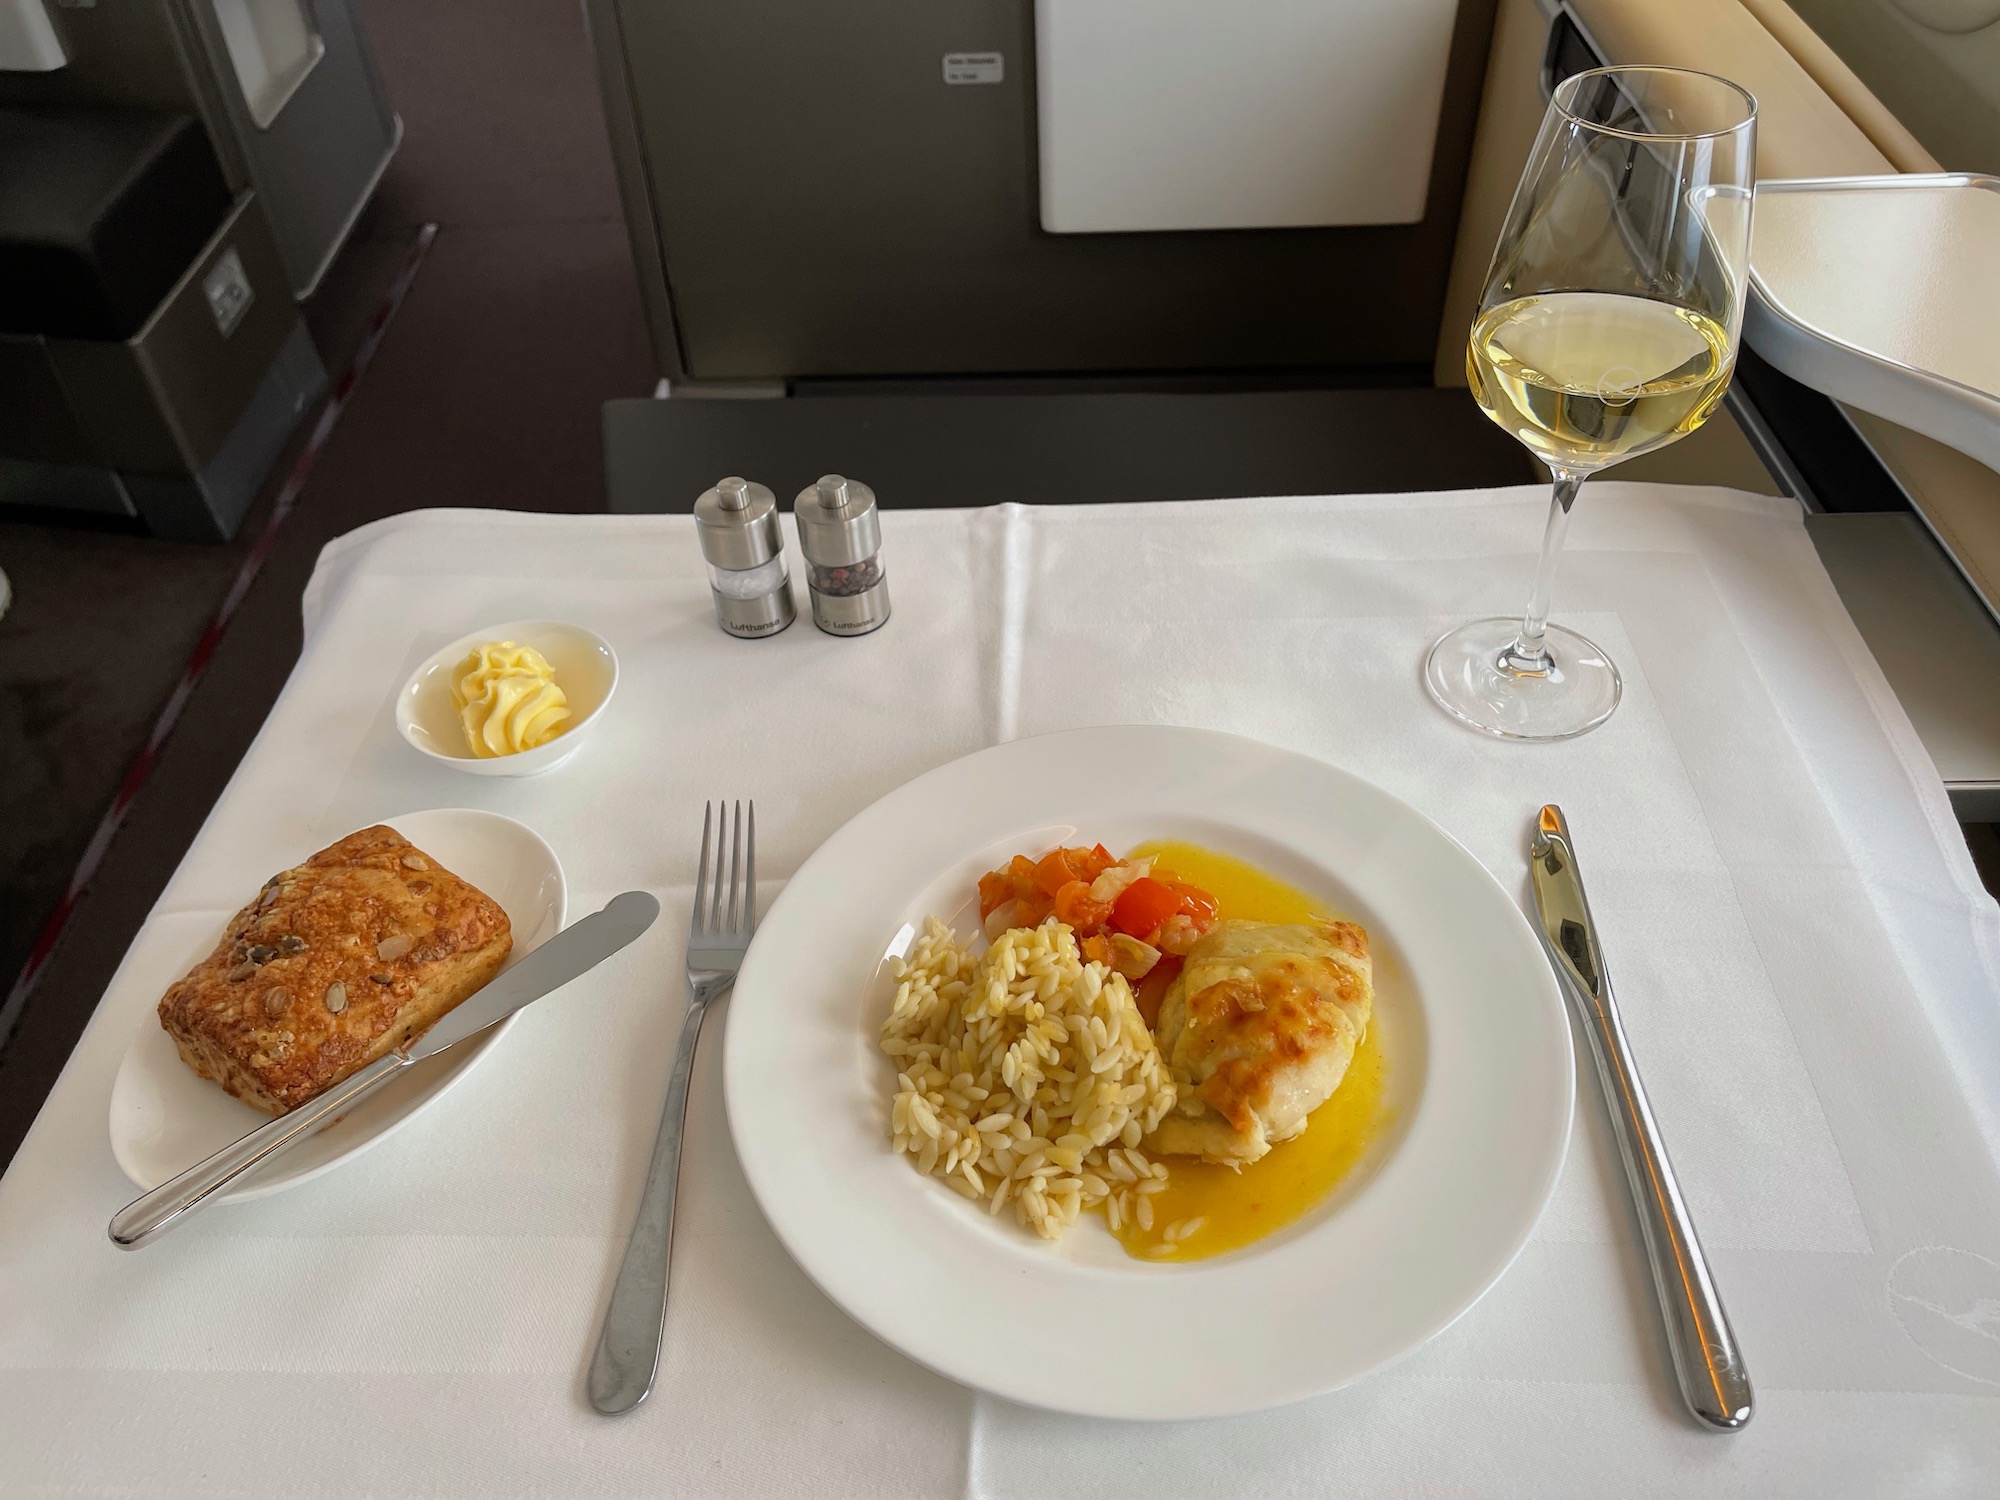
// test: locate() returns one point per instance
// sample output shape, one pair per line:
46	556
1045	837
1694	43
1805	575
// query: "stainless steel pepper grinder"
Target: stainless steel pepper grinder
740	536
840	534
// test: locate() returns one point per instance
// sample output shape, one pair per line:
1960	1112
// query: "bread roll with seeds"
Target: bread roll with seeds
334	963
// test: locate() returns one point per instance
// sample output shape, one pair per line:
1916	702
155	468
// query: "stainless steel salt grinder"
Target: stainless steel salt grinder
841	537
740	537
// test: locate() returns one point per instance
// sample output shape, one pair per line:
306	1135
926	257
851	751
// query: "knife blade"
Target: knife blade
574	951
1707	1362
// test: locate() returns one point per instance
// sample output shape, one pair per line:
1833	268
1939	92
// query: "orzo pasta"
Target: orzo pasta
1026	1077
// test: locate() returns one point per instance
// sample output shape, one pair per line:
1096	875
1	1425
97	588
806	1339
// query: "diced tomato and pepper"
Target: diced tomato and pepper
1144	904
1144	927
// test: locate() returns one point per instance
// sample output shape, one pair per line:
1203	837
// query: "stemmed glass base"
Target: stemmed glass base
1477	675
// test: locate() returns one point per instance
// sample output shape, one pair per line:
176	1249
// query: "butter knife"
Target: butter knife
575	950
1707	1361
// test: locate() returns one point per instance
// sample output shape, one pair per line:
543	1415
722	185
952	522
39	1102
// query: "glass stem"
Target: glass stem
1529	655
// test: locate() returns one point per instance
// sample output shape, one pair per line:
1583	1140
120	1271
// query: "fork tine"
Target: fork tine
715	876
701	872
735	866
750	875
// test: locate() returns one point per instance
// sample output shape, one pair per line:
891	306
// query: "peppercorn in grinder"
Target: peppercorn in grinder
841	537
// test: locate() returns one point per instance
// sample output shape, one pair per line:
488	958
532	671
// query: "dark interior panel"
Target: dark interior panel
828	206
1076	449
101	209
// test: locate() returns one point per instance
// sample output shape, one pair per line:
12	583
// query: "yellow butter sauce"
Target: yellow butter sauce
1237	1208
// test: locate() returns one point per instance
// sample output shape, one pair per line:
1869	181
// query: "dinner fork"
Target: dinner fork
719	928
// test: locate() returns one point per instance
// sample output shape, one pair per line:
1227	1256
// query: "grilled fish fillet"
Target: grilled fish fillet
1261	1023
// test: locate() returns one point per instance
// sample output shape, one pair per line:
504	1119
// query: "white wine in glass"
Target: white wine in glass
1588	378
1608	329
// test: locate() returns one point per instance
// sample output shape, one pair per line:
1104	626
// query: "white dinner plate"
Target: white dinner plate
1472	1027
165	1117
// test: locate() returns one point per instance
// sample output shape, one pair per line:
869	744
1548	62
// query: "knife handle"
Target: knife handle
1707	1360
145	1219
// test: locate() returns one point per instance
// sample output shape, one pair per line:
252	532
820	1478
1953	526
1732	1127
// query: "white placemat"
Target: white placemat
1807	963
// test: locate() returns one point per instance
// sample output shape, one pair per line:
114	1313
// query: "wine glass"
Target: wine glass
1608	328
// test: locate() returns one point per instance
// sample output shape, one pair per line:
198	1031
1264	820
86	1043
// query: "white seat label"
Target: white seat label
975	67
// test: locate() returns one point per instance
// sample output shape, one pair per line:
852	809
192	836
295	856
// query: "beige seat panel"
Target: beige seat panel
1934	64
1888	133
1957	495
1802	132
1510	113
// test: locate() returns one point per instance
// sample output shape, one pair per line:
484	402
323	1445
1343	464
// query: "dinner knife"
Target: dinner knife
1707	1361
575	950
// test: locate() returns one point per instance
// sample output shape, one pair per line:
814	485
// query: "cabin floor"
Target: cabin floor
522	322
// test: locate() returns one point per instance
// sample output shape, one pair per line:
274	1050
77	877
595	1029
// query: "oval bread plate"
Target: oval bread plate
165	1117
1473	1030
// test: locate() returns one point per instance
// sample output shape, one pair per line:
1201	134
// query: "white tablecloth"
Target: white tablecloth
1807	963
